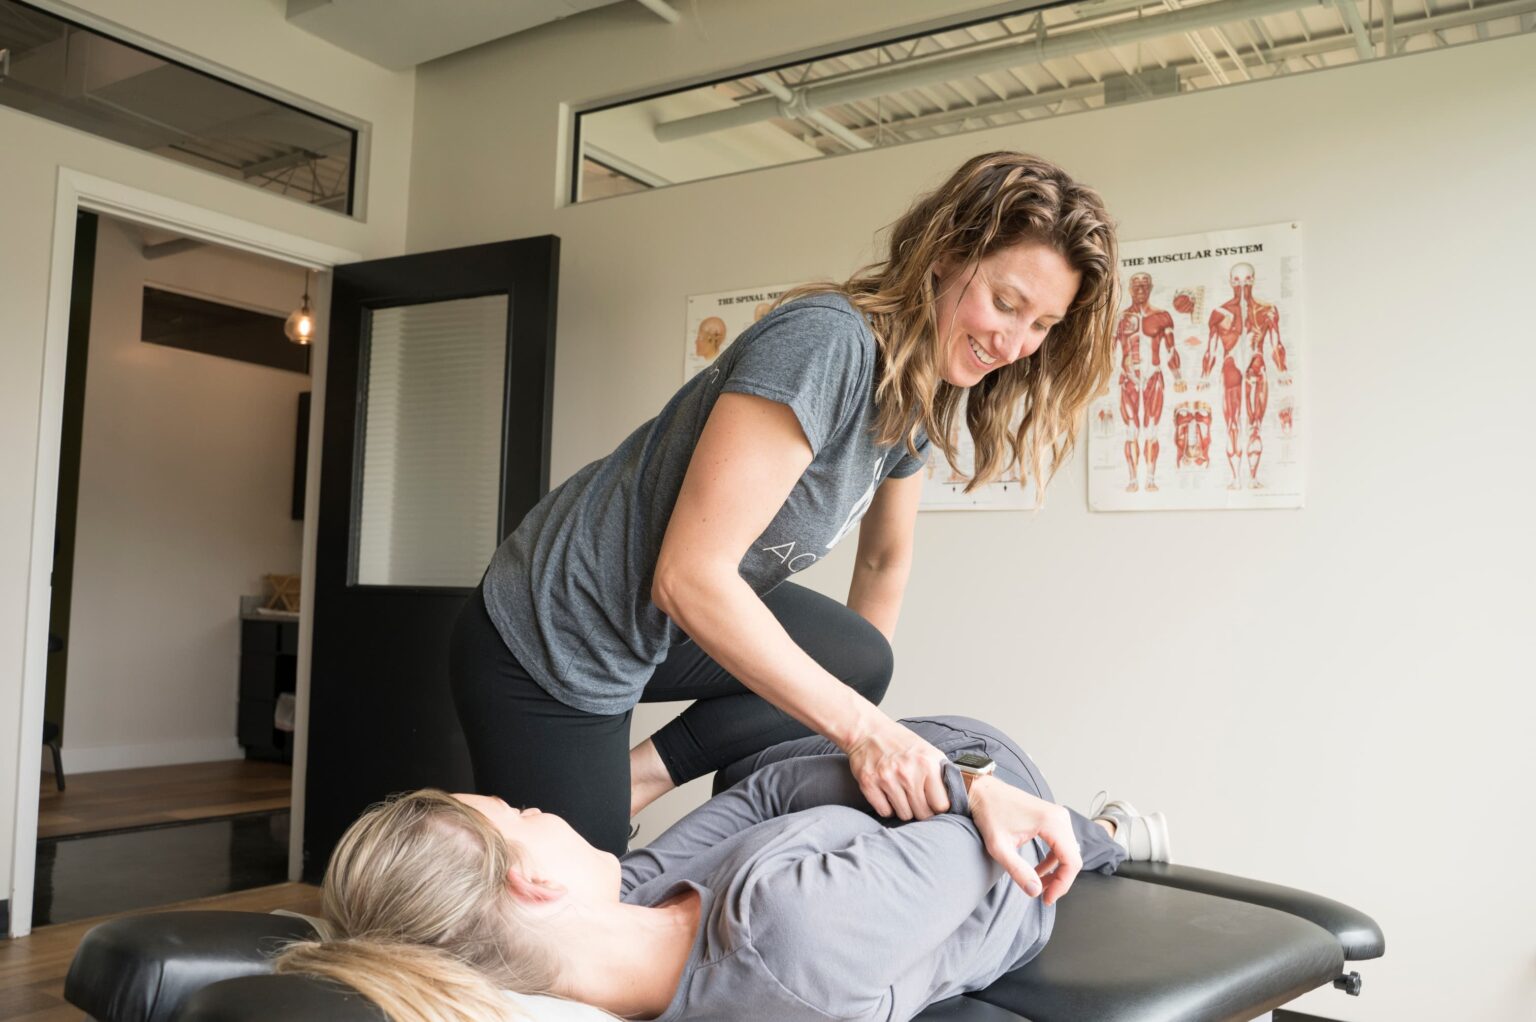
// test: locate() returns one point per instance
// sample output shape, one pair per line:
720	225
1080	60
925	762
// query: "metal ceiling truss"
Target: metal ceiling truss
892	93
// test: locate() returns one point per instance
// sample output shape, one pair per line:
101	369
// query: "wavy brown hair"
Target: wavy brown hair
425	926
1022	416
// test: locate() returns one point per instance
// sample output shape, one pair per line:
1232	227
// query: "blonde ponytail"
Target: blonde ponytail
408	982
426	929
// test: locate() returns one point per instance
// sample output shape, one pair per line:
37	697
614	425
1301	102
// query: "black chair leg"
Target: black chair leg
58	764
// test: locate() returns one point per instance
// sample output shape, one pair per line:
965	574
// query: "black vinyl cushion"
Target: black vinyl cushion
966	1009
1356	932
1124	950
286	998
140	968
295	998
214	967
1174	943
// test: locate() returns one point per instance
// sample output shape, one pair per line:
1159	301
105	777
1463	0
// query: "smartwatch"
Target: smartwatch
974	765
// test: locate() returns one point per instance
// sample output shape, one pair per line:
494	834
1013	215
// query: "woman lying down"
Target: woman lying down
782	898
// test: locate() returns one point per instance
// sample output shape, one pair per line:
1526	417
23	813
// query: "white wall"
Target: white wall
186	482
1363	732
254	40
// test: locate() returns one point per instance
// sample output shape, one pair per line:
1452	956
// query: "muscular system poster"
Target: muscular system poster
715	320
1202	408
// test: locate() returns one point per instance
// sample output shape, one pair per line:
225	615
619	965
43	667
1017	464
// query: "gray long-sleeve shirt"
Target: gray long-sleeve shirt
813	909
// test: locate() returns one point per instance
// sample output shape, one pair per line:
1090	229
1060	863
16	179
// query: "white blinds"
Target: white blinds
431	486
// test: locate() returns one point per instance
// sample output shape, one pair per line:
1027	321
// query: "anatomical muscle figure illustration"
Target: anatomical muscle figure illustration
1192	434
1244	394
1141	397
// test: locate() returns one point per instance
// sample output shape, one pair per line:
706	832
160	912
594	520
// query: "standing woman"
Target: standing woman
658	572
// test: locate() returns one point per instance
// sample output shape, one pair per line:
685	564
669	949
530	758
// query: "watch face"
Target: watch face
972	761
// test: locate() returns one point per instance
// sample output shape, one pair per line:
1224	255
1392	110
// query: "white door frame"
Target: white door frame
78	190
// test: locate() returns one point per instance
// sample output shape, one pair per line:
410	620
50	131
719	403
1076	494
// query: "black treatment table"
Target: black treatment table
1154	943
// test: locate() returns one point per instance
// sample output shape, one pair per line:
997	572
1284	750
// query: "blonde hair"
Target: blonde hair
992	202
426	929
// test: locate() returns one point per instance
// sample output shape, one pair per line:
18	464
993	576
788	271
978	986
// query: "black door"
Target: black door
436	443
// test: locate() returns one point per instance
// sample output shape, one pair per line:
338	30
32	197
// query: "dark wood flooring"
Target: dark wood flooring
123	799
32	969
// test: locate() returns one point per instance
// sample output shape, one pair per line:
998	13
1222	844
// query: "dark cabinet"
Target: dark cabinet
269	660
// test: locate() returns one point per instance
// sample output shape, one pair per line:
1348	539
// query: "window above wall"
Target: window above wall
1040	62
70	74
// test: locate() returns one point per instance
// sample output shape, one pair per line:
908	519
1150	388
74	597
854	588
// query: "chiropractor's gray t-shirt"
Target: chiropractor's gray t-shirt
570	589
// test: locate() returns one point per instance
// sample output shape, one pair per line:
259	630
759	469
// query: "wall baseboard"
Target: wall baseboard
89	759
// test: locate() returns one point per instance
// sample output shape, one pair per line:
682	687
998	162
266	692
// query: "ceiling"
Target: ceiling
399	34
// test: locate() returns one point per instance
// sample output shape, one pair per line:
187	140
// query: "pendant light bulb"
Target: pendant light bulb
300	324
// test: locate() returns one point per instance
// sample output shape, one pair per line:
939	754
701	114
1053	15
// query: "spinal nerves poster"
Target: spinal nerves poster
1202	408
715	320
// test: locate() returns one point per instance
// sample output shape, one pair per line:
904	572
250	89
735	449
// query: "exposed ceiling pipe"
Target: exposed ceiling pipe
283	162
663	10
789	107
1279	54
1351	17
1201	49
615	162
934	72
1045	97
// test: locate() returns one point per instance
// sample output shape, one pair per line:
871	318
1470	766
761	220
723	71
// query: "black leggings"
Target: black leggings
533	750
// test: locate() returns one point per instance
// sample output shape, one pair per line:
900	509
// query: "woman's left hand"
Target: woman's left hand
1008	817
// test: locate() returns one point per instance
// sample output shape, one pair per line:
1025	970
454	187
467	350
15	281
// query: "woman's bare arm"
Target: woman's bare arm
884	558
749	456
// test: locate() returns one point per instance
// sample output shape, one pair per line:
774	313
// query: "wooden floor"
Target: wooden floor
32	969
117	799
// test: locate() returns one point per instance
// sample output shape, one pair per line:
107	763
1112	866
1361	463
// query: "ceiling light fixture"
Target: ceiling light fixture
300	324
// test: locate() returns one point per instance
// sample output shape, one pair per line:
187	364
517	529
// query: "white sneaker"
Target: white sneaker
1144	838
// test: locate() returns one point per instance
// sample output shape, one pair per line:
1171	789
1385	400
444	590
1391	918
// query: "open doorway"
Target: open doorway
173	626
78	191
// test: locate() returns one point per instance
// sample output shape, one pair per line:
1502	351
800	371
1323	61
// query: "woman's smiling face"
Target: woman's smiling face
1000	310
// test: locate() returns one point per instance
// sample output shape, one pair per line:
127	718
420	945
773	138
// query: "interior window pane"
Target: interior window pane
53	68
435	380
1040	61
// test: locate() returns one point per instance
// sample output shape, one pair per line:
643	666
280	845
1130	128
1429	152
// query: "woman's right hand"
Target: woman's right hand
899	773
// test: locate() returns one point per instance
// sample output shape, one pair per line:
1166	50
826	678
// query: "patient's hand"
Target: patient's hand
1008	817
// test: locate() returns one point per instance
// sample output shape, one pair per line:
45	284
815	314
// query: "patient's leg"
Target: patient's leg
1143	836
1100	852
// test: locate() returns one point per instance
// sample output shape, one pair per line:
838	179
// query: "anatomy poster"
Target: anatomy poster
714	321
1202	408
944	484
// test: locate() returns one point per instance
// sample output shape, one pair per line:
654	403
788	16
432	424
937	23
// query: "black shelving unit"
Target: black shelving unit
269	660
